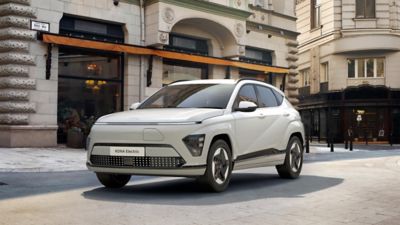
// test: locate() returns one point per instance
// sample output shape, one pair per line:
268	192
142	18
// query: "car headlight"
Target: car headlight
195	143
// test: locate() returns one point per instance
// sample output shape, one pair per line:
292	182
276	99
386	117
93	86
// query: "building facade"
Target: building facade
101	56
349	71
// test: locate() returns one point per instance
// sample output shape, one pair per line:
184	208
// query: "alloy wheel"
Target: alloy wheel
220	165
295	157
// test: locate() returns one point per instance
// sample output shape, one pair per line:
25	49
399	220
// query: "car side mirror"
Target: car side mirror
134	106
246	106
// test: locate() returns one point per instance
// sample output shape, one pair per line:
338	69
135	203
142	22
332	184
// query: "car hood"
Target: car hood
168	115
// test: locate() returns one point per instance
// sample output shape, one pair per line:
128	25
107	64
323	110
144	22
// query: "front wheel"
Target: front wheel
113	180
219	167
293	161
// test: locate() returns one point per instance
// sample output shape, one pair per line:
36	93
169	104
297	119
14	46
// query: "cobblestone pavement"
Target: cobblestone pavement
68	159
42	159
361	187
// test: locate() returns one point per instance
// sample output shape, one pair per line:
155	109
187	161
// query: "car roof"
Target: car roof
225	81
205	81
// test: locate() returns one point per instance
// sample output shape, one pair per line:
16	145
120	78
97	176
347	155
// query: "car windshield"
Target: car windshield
191	96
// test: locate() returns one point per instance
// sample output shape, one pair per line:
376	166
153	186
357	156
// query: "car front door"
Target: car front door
275	121
249	126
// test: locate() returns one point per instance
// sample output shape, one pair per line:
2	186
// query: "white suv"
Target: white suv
203	129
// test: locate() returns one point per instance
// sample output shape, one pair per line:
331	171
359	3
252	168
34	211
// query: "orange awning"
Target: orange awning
138	50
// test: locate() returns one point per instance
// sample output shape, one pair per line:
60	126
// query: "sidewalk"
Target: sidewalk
42	159
67	159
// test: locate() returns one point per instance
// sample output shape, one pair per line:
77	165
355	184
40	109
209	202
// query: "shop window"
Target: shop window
91	29
365	9
315	14
259	56
89	86
188	44
89	81
258	75
174	70
366	68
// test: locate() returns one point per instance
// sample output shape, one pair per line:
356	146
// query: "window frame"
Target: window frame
325	68
315	17
236	103
197	40
303	78
365	68
364	10
265	54
259	98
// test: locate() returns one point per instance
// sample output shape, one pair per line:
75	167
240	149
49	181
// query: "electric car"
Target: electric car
203	129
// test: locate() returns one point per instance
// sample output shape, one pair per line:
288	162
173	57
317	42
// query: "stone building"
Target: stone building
349	68
100	56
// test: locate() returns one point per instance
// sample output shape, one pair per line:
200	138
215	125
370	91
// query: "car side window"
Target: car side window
279	97
266	97
246	93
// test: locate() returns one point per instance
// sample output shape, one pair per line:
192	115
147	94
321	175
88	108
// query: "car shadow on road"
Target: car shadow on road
243	187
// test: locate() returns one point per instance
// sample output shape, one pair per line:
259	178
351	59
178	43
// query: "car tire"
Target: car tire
293	164
219	167
113	180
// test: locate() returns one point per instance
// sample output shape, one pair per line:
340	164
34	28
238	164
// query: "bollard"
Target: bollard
307	145
390	140
351	144
332	145
366	137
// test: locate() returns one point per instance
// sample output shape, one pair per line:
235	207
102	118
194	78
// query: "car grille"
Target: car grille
136	162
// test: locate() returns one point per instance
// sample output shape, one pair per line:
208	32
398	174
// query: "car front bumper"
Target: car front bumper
165	152
184	171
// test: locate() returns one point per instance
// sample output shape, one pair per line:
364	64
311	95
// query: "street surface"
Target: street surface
361	187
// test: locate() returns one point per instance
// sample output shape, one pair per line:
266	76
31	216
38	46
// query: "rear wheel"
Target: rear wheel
113	180
219	167
293	161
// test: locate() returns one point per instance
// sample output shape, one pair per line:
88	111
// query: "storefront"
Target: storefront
371	113
90	82
91	58
91	70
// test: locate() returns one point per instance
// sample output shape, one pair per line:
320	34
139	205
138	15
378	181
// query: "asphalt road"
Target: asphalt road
340	188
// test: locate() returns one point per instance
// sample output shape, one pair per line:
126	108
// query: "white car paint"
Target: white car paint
248	132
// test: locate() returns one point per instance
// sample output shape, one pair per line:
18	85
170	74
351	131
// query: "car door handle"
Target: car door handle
286	114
